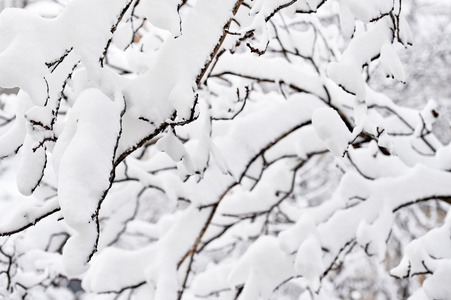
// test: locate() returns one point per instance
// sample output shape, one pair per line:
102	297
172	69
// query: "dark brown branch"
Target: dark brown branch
444	198
282	6
54	64
124	288
218	44
113	29
36	220
95	215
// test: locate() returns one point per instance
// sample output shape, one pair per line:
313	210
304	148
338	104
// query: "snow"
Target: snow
47	9
120	206
331	129
32	166
20	36
182	99
212	203
374	165
26	213
362	49
155	263
347	75
214	278
127	264
370	10
419	294
276	69
309	262
172	146
437	287
29	31
12	139
338	229
291	239
301	41
178	60
308	5
391	63
428	115
346	19
256	199
262	268
163	14
373	237
83	158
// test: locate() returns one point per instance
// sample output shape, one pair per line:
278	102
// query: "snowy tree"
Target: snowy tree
231	149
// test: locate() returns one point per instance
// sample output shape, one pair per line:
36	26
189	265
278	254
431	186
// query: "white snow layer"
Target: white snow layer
83	160
261	269
179	60
163	14
11	140
30	41
331	129
391	62
370	10
361	50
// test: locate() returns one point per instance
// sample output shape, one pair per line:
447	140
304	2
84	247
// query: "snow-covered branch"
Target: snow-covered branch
169	149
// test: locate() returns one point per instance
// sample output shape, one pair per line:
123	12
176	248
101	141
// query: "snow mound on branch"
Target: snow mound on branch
181	59
370	10
162	14
213	279
347	20
309	261
363	48
31	168
262	268
348	76
391	63
83	161
31	43
331	129
437	286
372	237
173	147
12	139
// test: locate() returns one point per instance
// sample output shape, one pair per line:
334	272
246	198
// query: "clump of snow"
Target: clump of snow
292	238
123	36
172	146
27	213
182	99
11	140
178	60
348	76
437	286
163	14
373	237
331	129
429	115
369	10
262	268
275	69
362	49
391	62
31	167
309	261
214	278
347	20
83	158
